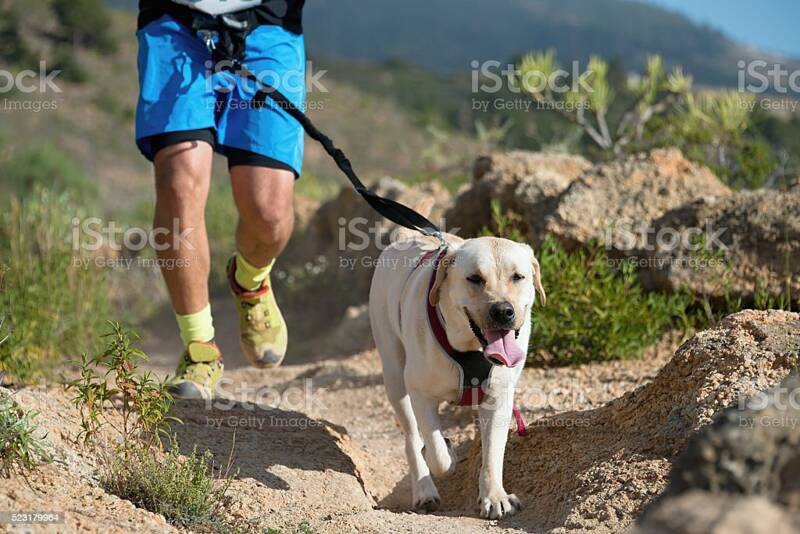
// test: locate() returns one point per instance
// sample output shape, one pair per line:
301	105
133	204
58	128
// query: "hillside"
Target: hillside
443	34
96	107
448	34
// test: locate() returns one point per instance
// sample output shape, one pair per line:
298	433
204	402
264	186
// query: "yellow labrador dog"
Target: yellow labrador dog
429	308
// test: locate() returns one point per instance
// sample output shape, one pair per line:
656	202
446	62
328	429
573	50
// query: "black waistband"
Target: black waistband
287	14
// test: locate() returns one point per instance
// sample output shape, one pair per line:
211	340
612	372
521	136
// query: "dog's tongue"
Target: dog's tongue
502	346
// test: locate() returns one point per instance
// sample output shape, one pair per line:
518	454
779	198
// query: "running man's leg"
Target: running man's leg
264	146
183	179
264	198
176	130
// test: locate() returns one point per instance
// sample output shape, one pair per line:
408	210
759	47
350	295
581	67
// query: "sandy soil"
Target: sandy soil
314	442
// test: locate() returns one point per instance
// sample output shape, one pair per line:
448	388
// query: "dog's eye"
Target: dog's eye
517	277
475	279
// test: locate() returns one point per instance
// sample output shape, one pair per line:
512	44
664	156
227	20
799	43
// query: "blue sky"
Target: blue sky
772	25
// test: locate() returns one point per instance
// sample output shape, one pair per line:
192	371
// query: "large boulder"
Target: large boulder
701	512
597	469
750	243
616	199
524	183
748	459
752	449
350	235
327	270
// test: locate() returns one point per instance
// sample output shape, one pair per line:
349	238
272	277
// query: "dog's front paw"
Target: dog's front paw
426	496
497	503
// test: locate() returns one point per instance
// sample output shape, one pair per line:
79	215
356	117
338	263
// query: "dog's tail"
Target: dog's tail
424	208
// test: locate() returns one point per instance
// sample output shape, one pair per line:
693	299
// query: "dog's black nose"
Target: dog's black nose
502	313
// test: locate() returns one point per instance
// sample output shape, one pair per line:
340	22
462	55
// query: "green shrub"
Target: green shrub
52	305
46	166
110	384
13	49
594	311
182	489
128	409
221	217
22	445
85	22
70	66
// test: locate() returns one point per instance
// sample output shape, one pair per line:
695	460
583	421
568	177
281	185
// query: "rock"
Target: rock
597	469
758	246
525	184
287	465
304	209
628	194
333	260
751	449
353	334
742	471
326	224
700	512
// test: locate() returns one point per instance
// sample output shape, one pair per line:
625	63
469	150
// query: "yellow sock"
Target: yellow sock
196	326
248	276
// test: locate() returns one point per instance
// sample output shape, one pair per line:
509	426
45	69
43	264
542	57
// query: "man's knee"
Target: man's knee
264	199
183	175
269	222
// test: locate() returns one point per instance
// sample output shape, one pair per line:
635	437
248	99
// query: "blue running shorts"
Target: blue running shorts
181	97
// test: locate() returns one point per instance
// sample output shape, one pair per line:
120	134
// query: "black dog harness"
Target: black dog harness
473	366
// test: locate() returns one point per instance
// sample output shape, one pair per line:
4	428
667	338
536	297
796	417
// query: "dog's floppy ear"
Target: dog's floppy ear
441	274
537	277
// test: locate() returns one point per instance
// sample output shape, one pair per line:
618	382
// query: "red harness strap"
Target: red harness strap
475	368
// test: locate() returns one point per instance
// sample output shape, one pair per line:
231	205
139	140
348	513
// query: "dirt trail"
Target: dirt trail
315	442
348	393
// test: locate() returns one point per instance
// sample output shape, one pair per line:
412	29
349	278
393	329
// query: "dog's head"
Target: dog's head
488	285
